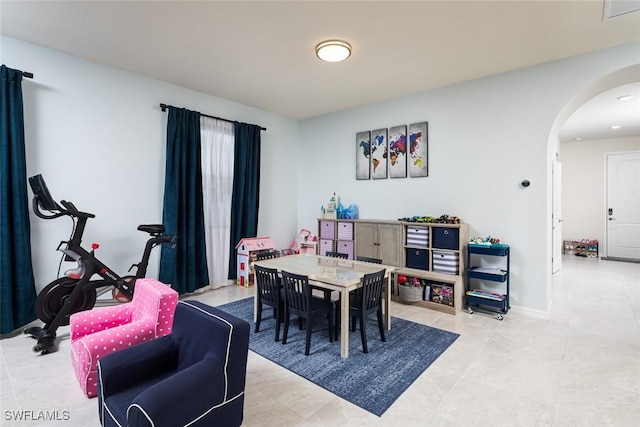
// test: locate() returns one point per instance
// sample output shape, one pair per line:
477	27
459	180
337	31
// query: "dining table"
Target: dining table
334	274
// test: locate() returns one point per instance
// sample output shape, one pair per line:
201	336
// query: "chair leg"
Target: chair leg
286	327
307	347
259	311
277	316
381	325
330	320
363	333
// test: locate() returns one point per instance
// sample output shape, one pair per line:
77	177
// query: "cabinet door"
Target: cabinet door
366	239
390	244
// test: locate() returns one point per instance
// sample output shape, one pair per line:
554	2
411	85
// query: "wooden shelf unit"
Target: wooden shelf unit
435	253
440	259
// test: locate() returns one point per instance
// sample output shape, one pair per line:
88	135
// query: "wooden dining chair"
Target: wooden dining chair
327	293
368	259
337	255
267	255
270	293
367	302
299	301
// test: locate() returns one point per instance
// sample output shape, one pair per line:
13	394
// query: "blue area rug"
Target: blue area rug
374	380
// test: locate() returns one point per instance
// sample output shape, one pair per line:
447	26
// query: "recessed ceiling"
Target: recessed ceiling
595	118
262	54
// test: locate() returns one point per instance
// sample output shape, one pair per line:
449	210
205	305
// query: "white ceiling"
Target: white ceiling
593	120
261	53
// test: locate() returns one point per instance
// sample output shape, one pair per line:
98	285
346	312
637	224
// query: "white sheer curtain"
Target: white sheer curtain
217	141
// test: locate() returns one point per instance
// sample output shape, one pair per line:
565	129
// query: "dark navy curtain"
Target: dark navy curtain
246	188
17	286
185	267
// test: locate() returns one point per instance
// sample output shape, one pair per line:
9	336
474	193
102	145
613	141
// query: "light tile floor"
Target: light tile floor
578	365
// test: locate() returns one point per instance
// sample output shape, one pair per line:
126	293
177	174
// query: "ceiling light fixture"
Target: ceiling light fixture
624	97
616	126
333	50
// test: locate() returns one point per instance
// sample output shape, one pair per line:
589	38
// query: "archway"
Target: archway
608	82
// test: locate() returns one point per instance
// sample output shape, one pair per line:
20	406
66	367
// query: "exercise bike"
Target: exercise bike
76	291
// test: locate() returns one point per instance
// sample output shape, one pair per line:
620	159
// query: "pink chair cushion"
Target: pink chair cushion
101	331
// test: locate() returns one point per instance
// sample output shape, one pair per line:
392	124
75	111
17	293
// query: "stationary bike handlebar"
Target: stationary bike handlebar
35	202
42	200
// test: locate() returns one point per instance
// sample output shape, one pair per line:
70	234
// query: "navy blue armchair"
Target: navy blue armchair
194	376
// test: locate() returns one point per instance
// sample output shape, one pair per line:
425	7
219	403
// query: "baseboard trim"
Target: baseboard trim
612	258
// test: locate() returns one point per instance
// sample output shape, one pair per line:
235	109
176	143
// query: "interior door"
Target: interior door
623	205
556	216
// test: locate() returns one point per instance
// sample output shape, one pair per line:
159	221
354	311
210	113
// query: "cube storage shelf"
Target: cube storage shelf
478	298
432	255
429	252
336	236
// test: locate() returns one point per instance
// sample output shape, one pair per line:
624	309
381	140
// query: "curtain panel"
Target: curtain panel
17	285
185	267
217	184
246	188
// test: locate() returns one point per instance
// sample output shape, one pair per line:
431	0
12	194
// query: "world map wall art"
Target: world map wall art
388	153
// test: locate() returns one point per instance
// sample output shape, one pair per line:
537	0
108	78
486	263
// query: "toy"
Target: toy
331	212
488	241
303	236
442	219
247	248
442	294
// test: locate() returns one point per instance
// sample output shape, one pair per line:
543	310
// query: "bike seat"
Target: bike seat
152	228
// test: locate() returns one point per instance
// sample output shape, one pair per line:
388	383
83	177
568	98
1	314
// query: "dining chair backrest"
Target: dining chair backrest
337	255
367	259
372	286
267	284
297	292
267	255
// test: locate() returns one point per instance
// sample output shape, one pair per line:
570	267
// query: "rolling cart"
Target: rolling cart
479	298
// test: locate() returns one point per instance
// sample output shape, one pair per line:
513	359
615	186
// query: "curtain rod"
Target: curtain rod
27	74
164	107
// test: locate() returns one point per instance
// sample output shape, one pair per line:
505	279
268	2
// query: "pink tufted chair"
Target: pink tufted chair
101	331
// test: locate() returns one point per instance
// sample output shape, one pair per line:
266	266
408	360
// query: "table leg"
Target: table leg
344	324
255	305
387	302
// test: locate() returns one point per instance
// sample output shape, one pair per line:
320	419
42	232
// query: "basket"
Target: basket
410	293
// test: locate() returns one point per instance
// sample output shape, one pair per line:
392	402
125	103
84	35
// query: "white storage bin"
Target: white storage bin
446	262
418	236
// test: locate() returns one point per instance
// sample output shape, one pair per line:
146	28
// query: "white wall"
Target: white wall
98	136
485	137
583	191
